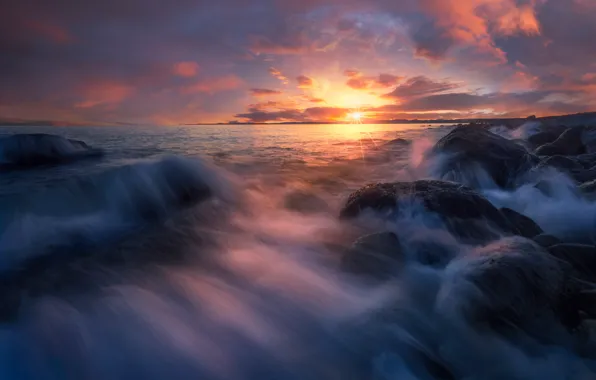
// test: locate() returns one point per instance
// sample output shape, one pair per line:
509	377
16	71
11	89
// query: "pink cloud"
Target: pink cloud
305	82
52	32
104	94
277	74
186	69
215	84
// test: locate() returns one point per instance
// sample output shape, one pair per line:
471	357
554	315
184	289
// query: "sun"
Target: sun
355	116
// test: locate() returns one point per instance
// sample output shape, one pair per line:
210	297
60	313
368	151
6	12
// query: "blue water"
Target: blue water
116	267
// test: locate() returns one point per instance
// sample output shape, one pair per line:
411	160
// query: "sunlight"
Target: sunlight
355	116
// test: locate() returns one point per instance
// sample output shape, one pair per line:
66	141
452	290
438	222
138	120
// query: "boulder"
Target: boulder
515	283
377	255
580	256
588	189
547	135
525	226
468	147
568	144
546	240
465	213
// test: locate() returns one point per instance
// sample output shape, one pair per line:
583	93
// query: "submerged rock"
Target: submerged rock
512	284
525	226
580	256
568	144
305	202
26	150
546	240
466	213
377	255
470	147
547	135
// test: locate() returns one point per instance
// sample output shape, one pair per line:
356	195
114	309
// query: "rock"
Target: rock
26	150
568	144
545	240
563	163
466	213
588	189
468	147
398	142
377	255
305	202
547	135
431	253
580	256
515	284
526	227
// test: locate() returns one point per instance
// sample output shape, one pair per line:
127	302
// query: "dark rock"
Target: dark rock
377	255
547	135
545	240
466	213
581	257
468	147
588	189
431	253
305	202
564	163
525	226
26	150
516	283
568	144
583	176
398	142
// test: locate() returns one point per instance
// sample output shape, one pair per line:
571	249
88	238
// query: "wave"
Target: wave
89	211
26	150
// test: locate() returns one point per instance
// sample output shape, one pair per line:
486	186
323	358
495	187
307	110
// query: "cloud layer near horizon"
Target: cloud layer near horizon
190	61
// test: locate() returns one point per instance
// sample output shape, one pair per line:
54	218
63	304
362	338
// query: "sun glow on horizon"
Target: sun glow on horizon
355	116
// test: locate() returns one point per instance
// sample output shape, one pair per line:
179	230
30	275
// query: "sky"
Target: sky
172	62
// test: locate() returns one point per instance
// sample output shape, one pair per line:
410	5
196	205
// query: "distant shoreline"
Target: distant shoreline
585	117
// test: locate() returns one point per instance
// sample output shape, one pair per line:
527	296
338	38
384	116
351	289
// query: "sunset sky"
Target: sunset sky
192	61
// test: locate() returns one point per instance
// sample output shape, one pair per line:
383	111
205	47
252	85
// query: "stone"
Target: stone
468	147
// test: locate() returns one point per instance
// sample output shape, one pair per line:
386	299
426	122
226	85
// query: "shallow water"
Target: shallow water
136	284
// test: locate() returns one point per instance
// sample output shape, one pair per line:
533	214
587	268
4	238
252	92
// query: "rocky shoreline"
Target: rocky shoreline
519	273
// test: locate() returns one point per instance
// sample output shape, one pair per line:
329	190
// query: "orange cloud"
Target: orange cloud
421	86
213	85
277	74
305	82
186	69
357	81
264	92
104	94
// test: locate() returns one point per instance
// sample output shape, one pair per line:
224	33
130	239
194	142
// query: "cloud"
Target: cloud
264	92
312	114
305	82
421	86
277	74
358	81
104	94
214	84
186	69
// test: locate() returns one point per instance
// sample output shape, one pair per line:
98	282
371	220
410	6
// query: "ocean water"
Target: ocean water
110	271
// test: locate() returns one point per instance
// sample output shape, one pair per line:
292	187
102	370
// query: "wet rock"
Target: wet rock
580	256
430	253
563	163
588	190
27	150
468	147
545	136
398	142
568	144
377	255
513	283
525	226
465	213
305	202
546	240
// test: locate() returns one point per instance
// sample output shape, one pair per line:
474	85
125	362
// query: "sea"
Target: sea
108	270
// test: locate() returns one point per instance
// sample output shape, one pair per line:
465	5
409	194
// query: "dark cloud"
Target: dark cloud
421	86
264	92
